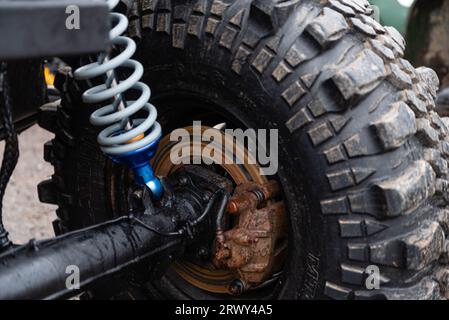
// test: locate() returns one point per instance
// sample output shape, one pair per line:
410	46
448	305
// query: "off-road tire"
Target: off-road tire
363	155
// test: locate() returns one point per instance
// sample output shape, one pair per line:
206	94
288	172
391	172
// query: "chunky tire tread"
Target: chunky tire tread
342	85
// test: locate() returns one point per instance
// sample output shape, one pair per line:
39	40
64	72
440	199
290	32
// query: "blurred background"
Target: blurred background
21	198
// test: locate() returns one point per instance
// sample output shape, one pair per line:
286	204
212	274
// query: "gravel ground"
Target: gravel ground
24	216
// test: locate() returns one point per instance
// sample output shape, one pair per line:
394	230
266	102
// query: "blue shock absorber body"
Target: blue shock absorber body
126	140
139	162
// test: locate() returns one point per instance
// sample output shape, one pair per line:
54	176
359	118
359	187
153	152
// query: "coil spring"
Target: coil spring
123	135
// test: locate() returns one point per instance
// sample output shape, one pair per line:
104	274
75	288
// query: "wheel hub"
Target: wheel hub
250	242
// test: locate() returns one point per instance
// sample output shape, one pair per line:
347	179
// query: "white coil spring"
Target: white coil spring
116	139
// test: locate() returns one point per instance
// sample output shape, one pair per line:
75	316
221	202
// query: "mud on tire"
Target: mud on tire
363	154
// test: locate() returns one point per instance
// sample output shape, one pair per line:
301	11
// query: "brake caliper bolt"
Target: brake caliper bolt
237	287
232	207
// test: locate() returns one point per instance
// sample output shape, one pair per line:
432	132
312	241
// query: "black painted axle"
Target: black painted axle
40	270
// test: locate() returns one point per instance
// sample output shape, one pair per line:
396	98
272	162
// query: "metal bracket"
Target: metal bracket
38	28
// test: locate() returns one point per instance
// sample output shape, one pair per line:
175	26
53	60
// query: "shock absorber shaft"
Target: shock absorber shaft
128	141
119	102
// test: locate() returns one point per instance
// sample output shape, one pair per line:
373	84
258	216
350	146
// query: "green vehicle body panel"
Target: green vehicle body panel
392	13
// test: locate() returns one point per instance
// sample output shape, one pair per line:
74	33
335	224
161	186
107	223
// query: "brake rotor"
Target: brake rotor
241	168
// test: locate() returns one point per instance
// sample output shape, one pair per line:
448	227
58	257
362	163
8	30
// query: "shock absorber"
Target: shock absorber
128	141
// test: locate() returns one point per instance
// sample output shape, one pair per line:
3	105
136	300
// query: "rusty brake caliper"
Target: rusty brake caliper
254	249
